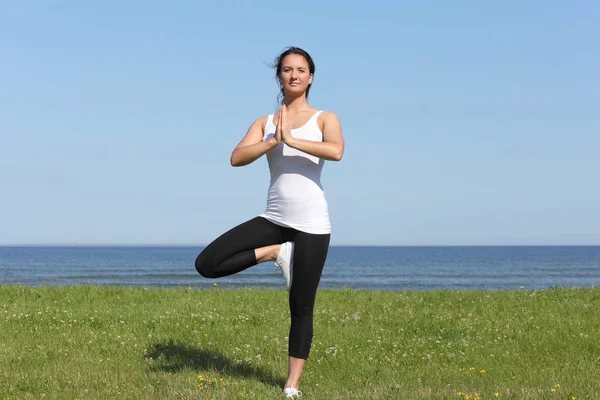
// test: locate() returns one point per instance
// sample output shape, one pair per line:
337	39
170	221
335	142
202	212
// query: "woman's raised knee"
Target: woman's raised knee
204	266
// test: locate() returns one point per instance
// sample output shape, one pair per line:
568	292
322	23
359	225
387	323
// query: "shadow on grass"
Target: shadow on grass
174	357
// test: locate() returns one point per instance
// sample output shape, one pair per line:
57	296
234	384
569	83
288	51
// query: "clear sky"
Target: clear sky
466	123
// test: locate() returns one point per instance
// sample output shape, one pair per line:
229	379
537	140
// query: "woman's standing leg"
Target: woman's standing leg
310	253
249	243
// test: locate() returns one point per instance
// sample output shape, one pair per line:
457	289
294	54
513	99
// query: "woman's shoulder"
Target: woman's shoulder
327	116
327	119
261	121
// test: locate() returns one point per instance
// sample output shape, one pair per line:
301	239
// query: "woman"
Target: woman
294	230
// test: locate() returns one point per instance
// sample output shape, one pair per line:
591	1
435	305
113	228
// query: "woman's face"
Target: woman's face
295	75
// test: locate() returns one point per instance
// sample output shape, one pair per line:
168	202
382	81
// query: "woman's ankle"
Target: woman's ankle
291	384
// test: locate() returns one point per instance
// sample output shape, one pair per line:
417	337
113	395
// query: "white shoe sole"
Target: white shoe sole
285	262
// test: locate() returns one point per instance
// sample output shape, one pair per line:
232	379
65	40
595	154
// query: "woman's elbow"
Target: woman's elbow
234	160
337	156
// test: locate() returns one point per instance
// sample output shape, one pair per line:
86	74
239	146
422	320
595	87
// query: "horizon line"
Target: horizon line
331	245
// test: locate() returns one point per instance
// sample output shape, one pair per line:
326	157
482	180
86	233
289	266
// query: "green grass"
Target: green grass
138	343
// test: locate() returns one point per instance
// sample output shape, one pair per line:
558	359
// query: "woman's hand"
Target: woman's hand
277	136
283	127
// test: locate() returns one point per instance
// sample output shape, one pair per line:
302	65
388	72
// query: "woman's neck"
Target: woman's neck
296	104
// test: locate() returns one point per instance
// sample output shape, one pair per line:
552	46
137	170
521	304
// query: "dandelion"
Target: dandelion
200	378
496	394
482	371
214	284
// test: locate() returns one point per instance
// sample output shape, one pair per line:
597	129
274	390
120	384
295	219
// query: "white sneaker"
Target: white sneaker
290	393
285	262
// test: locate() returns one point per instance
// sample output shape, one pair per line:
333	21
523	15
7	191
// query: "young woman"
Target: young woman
294	230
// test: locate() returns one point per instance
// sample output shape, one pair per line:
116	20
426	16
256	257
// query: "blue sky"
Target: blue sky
466	123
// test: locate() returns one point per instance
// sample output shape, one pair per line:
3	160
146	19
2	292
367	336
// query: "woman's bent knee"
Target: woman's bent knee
204	266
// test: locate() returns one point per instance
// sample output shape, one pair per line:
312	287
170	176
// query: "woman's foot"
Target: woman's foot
285	262
291	392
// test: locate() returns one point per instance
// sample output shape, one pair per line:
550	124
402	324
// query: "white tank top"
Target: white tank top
296	198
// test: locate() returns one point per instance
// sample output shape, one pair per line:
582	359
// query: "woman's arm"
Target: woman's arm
332	146
251	147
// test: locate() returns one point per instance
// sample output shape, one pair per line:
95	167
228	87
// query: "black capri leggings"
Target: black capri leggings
233	252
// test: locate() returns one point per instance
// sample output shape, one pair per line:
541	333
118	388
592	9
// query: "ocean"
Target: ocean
358	267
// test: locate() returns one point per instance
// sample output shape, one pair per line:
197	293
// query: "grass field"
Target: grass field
92	342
